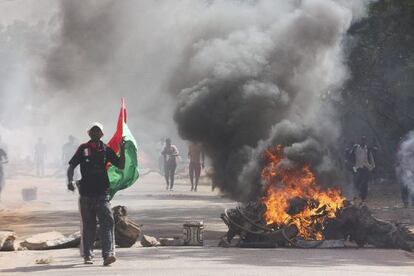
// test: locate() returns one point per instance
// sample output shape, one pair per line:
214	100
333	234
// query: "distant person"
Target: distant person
349	161
363	164
196	157
94	200
407	195
3	160
170	154
40	157
69	149
159	148
3	146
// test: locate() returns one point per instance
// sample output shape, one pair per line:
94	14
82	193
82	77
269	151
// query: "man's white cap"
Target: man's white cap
96	124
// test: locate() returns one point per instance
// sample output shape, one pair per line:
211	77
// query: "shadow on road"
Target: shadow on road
280	257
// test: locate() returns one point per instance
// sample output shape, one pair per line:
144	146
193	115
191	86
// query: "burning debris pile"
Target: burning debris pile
292	196
295	211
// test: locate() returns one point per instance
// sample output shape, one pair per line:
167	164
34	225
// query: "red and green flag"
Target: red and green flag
122	179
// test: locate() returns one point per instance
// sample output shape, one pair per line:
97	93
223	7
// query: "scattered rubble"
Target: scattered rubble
51	240
174	241
148	241
45	260
127	232
7	241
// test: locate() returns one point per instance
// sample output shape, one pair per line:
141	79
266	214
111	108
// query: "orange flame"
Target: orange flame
290	187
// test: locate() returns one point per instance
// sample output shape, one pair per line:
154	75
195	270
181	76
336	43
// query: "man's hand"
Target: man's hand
71	187
122	143
122	153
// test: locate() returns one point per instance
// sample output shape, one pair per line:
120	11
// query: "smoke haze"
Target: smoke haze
227	71
405	168
260	76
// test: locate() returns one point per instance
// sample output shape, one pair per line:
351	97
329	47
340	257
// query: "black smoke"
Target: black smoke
264	86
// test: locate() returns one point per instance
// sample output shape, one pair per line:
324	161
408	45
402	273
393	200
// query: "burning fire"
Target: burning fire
293	197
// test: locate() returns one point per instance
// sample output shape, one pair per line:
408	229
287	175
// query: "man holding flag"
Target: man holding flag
103	174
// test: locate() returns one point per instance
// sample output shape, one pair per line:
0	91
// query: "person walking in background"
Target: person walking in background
68	149
40	157
3	160
170	154
363	164
196	157
159	148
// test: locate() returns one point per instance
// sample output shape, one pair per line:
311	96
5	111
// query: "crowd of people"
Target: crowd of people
359	162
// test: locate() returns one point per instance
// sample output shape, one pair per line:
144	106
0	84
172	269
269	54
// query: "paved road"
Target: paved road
163	214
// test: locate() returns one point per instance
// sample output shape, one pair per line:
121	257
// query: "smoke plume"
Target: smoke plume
405	167
264	84
231	70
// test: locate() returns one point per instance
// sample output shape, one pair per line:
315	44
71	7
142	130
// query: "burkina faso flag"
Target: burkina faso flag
122	179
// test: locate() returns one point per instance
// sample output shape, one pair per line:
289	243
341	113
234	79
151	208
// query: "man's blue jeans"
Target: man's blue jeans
90	209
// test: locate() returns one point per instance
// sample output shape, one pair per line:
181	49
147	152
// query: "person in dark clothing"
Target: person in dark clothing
94	200
170	153
3	160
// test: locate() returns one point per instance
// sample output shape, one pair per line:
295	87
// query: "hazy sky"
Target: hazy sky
26	10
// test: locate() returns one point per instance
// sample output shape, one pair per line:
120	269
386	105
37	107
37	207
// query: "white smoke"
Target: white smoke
405	157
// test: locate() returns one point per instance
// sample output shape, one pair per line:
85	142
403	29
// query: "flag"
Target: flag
122	179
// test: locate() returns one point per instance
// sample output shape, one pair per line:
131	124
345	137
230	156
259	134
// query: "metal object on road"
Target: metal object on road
194	233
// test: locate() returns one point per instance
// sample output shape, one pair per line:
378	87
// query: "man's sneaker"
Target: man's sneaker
109	260
88	260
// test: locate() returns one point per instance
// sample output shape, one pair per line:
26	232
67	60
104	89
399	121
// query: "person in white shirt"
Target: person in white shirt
363	165
170	153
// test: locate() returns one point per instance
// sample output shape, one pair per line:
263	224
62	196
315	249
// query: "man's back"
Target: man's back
194	153
93	160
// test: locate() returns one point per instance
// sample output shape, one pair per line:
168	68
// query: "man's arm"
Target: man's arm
371	160
74	161
175	151
70	174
